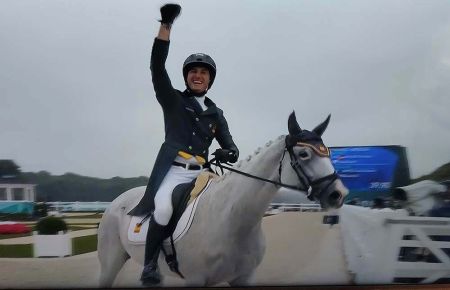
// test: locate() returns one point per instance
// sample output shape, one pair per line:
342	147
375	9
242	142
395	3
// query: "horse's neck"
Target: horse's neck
250	198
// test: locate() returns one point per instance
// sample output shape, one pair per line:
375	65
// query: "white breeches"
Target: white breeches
163	198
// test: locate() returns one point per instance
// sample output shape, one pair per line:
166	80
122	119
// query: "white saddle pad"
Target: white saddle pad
138	236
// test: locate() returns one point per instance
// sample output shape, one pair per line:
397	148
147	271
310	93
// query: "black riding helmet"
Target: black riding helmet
203	60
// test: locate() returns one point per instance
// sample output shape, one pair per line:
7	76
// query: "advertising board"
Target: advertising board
370	171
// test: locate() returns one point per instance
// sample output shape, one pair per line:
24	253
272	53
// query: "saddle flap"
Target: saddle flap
137	231
184	194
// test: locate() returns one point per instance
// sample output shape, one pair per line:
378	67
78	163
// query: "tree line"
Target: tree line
70	186
440	174
73	187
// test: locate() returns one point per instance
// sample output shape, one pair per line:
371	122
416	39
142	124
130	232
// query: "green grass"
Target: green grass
80	245
73	228
90	216
16	251
85	244
78	227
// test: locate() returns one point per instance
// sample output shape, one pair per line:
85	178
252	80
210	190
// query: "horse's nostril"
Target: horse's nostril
331	200
334	198
335	195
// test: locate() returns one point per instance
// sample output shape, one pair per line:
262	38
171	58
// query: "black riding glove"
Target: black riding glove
169	12
225	155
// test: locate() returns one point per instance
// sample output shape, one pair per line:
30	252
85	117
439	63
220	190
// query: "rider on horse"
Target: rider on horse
191	121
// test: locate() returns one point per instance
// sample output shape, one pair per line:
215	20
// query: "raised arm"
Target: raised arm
164	32
161	81
168	14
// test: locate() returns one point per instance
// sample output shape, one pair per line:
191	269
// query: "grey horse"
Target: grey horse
225	242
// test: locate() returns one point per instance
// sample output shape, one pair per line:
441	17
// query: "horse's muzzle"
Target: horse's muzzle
334	196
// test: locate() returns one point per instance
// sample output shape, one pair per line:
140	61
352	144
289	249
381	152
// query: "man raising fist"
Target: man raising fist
191	121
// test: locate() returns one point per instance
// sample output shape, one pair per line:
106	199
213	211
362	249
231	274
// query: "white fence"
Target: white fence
78	206
276	208
388	246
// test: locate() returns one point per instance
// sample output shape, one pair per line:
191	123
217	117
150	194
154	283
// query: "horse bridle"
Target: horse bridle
306	182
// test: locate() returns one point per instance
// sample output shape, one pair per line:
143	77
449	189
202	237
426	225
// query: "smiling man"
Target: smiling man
191	122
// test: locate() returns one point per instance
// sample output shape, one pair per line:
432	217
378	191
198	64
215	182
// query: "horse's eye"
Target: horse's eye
303	155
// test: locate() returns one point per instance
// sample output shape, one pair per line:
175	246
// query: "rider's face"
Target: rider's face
198	79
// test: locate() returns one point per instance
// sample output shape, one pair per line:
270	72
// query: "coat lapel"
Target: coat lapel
192	102
212	109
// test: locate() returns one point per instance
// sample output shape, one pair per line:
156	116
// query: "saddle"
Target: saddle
184	195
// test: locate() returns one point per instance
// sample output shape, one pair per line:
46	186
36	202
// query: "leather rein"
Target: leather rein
306	182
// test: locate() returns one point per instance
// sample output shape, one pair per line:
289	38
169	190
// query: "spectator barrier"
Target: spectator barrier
385	246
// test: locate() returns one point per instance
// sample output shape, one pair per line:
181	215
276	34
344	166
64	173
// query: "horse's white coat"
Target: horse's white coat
225	242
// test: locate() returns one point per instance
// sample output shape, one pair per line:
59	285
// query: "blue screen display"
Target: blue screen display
365	169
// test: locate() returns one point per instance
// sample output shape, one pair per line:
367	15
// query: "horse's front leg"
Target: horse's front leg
111	254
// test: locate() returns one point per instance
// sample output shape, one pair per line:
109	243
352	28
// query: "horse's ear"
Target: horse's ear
321	128
293	127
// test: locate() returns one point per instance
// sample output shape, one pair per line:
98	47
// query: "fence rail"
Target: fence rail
78	206
386	246
275	208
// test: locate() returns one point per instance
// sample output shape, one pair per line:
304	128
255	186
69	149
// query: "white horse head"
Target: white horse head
312	166
225	242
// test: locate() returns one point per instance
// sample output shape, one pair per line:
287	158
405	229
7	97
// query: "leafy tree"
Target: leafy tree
440	174
8	168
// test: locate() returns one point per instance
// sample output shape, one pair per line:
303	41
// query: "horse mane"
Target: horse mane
249	158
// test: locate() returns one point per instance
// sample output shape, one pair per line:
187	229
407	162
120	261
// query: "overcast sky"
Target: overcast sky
76	92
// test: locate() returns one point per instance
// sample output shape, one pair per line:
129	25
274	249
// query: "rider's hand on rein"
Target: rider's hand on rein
225	155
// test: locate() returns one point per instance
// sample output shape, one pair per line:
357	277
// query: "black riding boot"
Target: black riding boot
155	235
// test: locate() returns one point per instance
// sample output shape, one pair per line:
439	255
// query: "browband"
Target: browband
319	148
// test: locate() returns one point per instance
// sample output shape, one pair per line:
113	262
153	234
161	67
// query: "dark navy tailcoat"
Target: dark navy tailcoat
187	127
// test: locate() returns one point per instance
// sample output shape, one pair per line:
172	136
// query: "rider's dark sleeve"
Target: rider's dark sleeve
223	135
165	93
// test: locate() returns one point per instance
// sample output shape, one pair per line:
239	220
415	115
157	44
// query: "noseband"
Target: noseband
321	183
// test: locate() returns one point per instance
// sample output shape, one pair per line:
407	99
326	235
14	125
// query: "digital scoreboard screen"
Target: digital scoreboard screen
367	169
